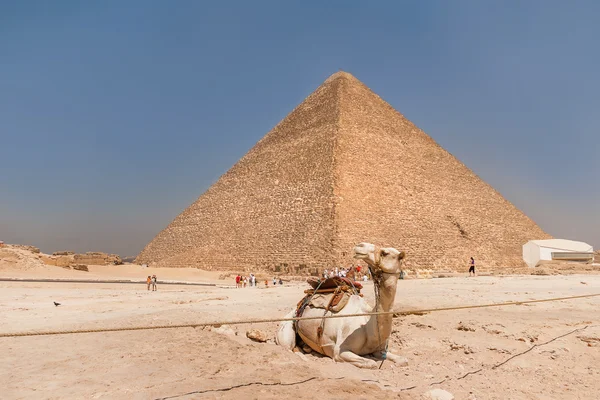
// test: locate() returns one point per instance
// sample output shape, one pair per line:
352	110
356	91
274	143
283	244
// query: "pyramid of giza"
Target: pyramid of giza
341	168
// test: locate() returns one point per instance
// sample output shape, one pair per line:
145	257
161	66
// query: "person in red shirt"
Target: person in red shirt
237	281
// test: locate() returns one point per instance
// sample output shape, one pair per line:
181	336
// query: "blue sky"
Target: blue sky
115	116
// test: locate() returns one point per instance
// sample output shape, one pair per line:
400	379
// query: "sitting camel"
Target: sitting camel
351	339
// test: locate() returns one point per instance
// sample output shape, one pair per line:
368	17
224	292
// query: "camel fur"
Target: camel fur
359	341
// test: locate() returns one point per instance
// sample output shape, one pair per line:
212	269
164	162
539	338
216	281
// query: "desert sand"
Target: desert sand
442	347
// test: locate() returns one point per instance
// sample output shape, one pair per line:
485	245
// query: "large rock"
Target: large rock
438	394
256	335
32	249
223	330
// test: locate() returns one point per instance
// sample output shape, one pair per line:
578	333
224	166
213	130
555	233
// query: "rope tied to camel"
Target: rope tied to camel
395	314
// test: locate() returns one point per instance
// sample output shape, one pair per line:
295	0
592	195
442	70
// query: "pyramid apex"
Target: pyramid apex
341	75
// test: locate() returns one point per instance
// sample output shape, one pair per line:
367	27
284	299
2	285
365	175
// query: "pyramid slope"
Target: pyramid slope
274	204
344	167
397	186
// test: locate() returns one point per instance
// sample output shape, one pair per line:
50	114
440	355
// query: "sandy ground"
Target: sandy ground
202	363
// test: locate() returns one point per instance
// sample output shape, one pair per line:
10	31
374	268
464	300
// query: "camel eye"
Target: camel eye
384	253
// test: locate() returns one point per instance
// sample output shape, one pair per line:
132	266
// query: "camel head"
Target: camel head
386	259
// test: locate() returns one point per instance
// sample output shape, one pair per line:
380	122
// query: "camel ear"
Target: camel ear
401	255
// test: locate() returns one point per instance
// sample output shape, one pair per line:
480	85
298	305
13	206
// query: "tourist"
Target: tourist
472	268
274	281
237	280
149	281
245	281
325	274
154	283
266	283
280	281
336	273
252	280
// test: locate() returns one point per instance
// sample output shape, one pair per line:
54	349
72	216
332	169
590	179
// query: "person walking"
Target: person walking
154	283
472	267
149	281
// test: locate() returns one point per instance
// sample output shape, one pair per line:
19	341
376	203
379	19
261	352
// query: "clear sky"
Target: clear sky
116	115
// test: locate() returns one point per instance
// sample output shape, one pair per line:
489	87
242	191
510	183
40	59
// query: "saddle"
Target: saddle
332	283
331	294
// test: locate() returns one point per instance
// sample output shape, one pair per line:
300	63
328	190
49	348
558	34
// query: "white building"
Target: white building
537	251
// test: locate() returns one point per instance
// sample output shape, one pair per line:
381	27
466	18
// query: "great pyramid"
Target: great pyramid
341	168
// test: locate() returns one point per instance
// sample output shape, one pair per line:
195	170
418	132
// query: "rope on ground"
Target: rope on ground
267	320
514	356
540	344
226	389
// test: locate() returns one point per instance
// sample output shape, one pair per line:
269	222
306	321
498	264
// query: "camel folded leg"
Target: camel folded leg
356	360
286	334
396	359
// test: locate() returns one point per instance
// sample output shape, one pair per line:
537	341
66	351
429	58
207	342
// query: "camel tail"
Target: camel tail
286	334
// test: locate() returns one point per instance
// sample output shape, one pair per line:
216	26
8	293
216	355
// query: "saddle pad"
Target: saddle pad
335	301
332	282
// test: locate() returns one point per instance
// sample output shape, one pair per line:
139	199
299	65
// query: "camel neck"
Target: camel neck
387	293
385	303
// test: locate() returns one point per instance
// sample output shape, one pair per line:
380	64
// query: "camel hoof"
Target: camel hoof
398	360
306	349
401	361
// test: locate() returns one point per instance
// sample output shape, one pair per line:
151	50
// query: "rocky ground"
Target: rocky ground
466	352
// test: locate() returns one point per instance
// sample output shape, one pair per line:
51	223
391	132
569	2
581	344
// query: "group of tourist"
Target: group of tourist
351	272
275	281
151	281
243	281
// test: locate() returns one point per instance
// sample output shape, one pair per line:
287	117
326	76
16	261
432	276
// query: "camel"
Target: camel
359	341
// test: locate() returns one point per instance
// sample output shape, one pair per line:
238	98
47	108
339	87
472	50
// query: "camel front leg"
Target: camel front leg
396	359
356	360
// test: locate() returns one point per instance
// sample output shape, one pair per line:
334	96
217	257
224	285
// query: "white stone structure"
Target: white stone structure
536	252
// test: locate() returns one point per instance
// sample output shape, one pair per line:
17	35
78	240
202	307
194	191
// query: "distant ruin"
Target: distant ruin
71	259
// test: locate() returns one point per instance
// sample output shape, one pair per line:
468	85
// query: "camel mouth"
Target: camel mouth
360	255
